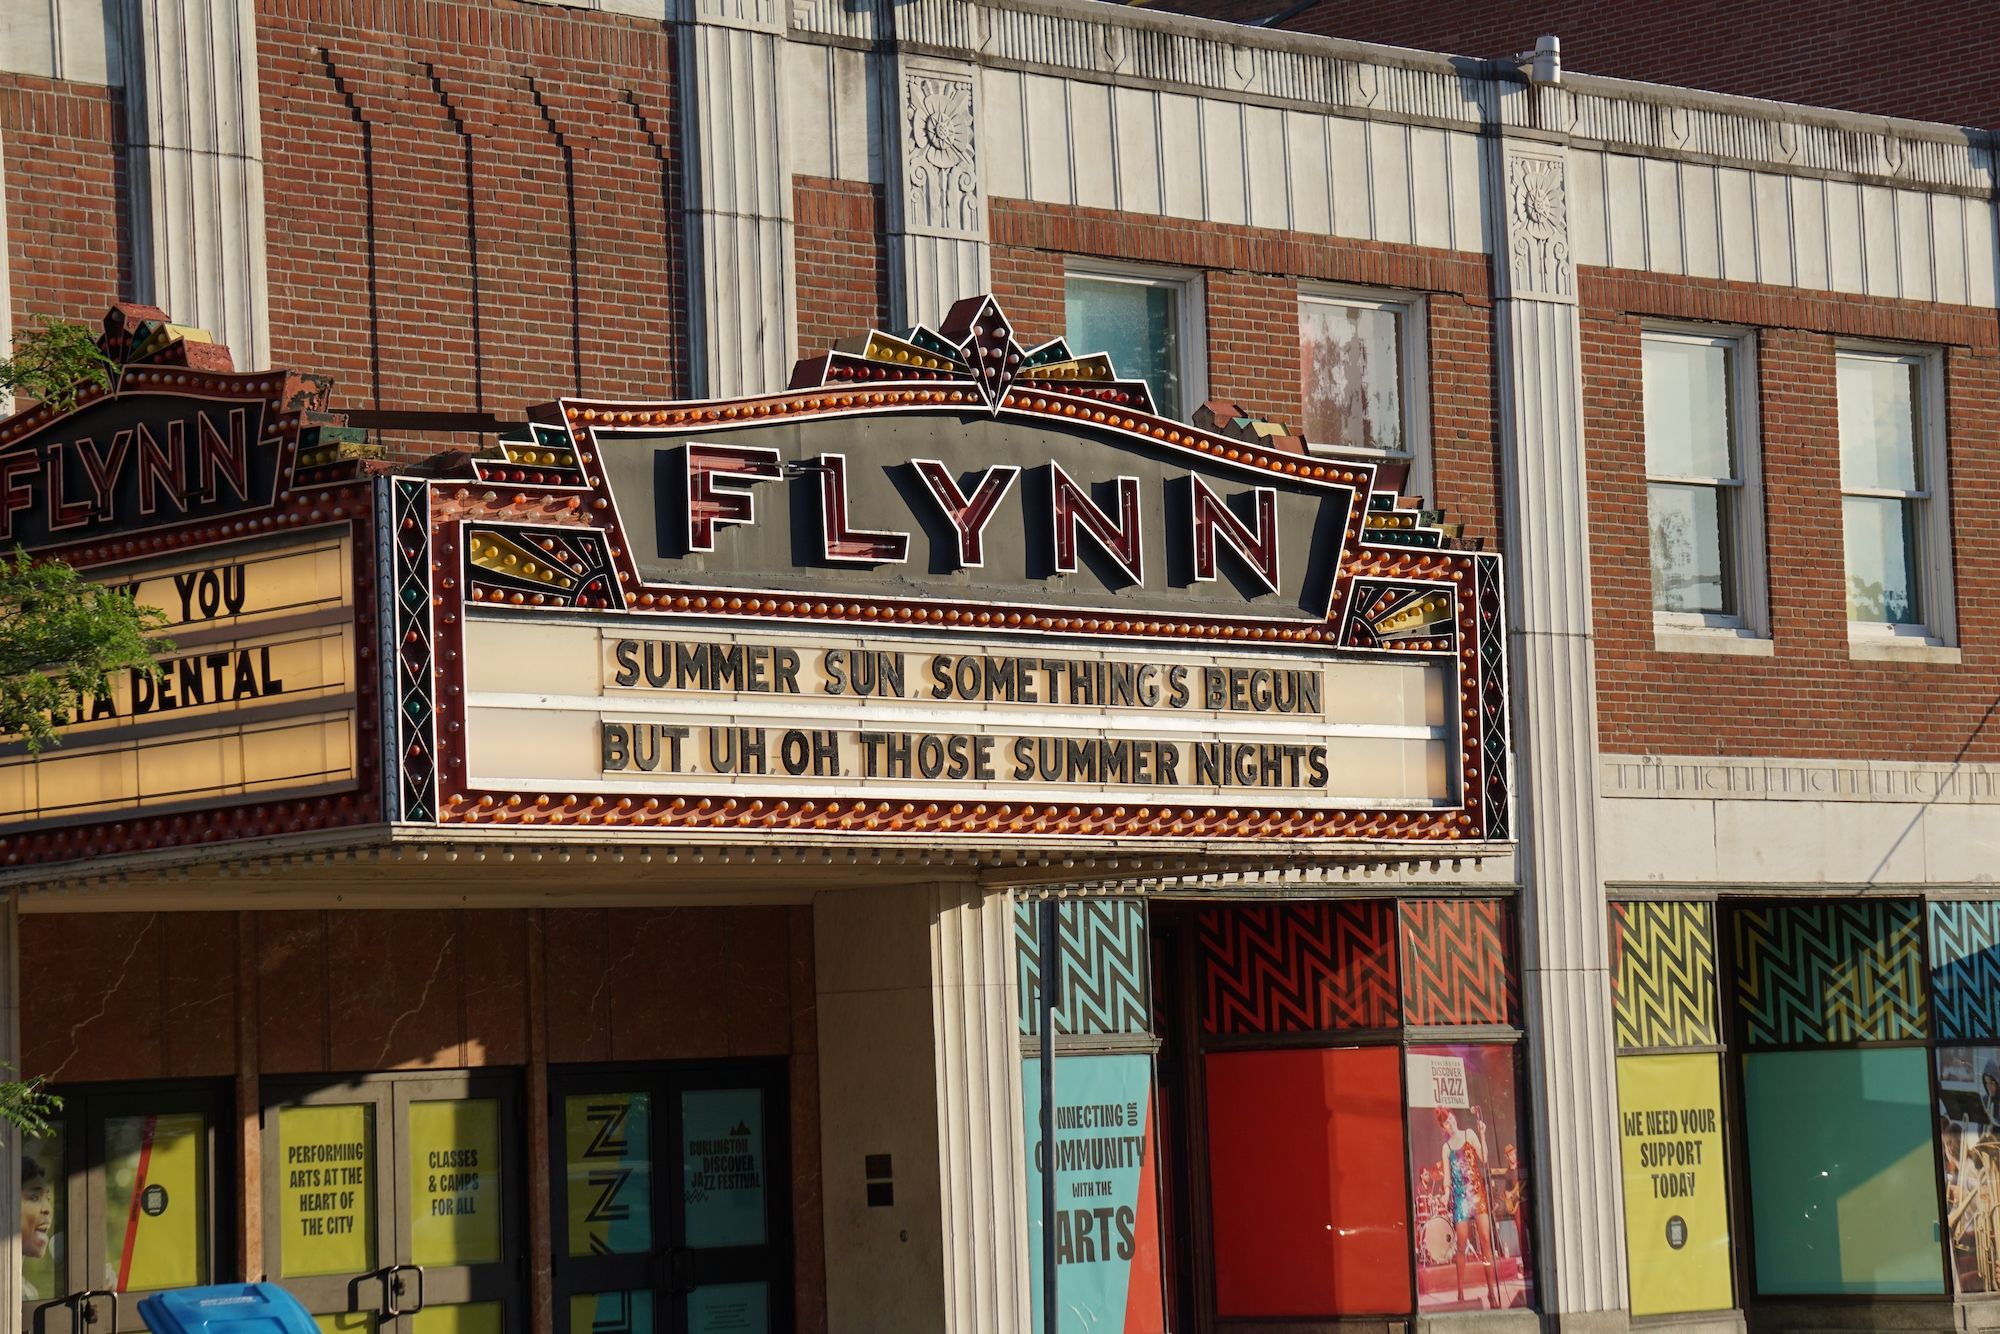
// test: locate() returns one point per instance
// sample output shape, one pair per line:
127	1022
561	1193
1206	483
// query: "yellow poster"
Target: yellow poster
455	1182
155	1222
326	1190
1676	1192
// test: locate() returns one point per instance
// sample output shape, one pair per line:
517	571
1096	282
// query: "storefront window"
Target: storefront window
1468	1180
155	1198
455	1181
610	1170
1842	1171
611	1313
43	1243
326	1206
1969	1128
1305	1153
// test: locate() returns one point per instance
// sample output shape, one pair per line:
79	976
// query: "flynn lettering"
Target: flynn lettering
124	467
721	485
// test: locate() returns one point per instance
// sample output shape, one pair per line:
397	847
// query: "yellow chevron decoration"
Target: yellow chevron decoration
1663	975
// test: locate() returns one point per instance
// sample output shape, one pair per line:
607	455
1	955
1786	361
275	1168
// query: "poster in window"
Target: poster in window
1107	1220
155	1201
1468	1181
326	1189
722	1167
1969	1131
609	1164
1676	1193
729	1308
455	1176
42	1209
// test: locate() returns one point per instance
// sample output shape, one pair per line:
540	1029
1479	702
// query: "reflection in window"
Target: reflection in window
1884	489
1137	321
1694	479
1351	375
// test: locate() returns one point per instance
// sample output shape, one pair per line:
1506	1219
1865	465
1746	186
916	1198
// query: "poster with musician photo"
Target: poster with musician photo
1468	1181
1969	1130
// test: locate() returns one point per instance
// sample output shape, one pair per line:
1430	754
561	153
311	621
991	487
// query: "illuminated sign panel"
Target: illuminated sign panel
617	708
946	585
137	462
257	698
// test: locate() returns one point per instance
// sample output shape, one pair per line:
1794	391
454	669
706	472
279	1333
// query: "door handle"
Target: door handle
680	1272
394	1286
82	1311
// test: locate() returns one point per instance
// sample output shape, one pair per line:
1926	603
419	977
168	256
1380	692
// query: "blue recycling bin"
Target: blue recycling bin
227	1308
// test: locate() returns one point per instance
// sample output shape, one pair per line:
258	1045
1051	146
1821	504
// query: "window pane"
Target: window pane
1969	1125
1879	399
1138	324
611	1313
455	1181
730	1308
1469	1181
326	1208
1843	1185
722	1166
609	1145
1882	560
1688	428
1351	376
155	1201
1305	1152
43	1243
1691	555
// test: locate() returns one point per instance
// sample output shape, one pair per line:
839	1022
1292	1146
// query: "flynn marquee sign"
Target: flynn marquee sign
207	496
946	584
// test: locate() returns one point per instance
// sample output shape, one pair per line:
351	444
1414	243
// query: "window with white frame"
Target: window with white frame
1892	493
1703	508
1149	321
1361	377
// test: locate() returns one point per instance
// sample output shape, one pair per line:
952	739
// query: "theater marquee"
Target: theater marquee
945	584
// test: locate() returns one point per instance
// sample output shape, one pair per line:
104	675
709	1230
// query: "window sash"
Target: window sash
1395	412
1159	356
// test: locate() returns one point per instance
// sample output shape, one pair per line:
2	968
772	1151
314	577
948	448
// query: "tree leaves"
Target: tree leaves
61	637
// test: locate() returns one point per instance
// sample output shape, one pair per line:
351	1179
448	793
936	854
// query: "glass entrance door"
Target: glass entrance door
388	1204
672	1214
119	1200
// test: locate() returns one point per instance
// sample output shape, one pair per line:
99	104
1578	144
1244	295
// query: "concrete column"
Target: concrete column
195	163
878	1091
982	1155
940	246
737	205
1565	980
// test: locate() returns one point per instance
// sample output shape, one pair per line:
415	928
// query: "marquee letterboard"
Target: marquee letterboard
950	585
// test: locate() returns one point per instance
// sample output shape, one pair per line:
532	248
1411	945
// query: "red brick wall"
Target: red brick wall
1252	278
471	206
1809	699
843	277
1913	58
67	237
